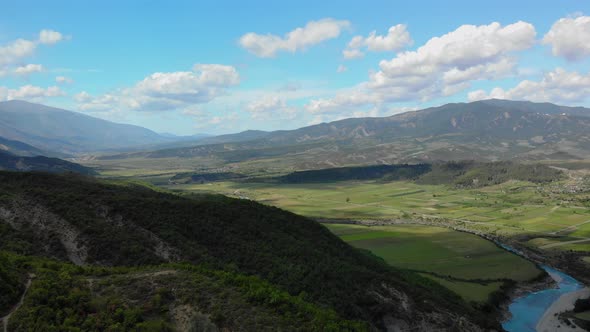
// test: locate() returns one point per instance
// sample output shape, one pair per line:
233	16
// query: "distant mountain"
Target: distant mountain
543	108
12	162
64	131
19	148
185	137
486	130
247	135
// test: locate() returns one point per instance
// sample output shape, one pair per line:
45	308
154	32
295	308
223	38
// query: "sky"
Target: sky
187	67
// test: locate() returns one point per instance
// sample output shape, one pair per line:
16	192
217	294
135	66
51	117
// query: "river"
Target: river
528	310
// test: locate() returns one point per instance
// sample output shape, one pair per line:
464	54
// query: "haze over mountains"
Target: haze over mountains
64	131
483	130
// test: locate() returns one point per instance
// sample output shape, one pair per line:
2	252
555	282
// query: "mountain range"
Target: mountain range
489	130
67	132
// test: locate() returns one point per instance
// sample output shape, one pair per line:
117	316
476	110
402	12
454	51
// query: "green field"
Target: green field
510	208
462	262
584	315
469	291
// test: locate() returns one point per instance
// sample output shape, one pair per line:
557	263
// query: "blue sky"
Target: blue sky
226	66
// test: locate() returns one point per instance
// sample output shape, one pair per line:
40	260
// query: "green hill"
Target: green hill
97	224
12	162
457	173
19	148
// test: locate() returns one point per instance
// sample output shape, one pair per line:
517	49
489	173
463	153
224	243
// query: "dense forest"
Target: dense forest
11	162
459	174
94	223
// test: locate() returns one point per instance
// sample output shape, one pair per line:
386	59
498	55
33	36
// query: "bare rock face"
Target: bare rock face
45	225
162	249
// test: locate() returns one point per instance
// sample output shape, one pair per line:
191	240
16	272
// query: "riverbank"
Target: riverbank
550	321
523	291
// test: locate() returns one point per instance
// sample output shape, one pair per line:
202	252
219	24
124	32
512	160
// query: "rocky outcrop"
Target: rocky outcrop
45	225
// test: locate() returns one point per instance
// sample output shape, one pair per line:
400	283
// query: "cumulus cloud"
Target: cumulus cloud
50	37
341	69
446	64
268	106
569	38
314	32
168	91
30	92
350	54
396	39
558	86
63	80
13	53
28	69
345	102
443	66
103	103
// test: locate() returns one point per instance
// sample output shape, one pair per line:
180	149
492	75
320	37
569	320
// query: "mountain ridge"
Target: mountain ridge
55	129
488	130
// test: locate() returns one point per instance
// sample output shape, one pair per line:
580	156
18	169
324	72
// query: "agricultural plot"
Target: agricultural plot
467	264
510	208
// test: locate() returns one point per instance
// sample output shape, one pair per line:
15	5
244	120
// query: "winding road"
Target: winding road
18	305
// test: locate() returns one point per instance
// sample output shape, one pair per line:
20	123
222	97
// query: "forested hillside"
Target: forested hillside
93	223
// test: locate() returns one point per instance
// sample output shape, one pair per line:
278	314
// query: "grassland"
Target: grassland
547	216
511	208
584	315
465	263
438	250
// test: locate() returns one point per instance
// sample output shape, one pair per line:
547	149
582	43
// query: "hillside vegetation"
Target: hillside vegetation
64	297
93	223
460	174
12	162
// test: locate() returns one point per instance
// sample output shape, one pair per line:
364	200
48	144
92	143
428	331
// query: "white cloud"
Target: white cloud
570	38
225	118
341	69
83	97
443	66
15	51
316	120
103	103
30	92
50	37
450	62
352	54
169	91
345	102
397	38
63	80
314	32
270	106
558	86
12	54
28	69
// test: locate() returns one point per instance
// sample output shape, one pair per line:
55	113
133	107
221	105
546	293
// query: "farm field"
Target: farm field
584	315
509	209
465	263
